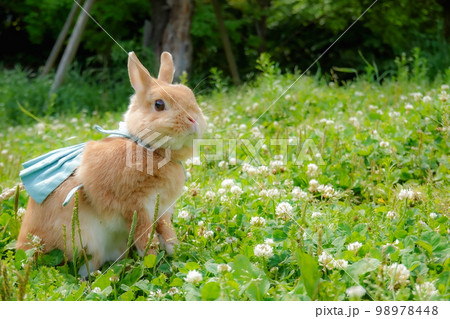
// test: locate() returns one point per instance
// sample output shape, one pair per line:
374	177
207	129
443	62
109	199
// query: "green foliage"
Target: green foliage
293	32
372	137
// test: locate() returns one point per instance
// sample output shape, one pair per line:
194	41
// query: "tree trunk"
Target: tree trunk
226	43
146	37
72	46
60	41
159	20
446	13
177	37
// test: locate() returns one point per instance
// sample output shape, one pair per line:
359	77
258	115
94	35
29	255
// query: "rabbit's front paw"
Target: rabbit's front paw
168	245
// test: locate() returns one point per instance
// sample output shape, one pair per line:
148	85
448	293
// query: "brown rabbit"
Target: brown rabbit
115	184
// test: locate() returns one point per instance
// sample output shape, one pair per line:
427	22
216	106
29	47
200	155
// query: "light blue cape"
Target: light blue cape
43	174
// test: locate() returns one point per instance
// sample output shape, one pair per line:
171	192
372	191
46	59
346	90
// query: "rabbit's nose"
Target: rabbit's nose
191	119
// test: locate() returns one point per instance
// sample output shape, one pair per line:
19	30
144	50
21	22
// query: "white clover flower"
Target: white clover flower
196	161
316	214
263	194
380	112
358	93
354	246
21	212
287	97
97	290
184	214
263	250
391	214
417	96
313	184
258	221
298	194
398	274
394	114
444	96
288	183
114	279
243	126
326	121
223	164
225	199
276	164
426	290
201	223
230	240
269	241
408	193
359	113
210	195
325	259
208	234
284	211
433	215
340	263
355	292
36	240
227	183
193	277
373	107
445	87
404	194
326	191
236	191
427	99
354	121
173	291
262	170
232	161
278	157
273	193
245	167
222	268
408	106
384	144
40	128
312	170
221	191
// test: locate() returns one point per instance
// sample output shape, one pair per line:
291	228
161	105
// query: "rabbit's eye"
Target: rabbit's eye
160	105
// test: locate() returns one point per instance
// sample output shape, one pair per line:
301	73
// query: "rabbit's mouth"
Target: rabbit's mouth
179	142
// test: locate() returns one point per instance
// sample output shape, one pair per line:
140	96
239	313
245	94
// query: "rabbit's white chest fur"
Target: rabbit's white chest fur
105	236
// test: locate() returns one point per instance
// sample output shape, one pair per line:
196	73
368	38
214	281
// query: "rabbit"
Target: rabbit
115	186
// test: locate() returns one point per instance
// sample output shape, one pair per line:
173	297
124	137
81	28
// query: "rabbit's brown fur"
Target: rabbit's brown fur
112	188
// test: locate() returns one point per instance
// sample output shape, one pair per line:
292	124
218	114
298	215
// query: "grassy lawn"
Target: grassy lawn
337	192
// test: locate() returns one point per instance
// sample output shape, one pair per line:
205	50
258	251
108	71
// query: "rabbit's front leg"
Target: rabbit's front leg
143	231
167	234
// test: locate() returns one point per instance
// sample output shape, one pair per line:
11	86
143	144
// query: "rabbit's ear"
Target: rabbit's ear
166	70
139	76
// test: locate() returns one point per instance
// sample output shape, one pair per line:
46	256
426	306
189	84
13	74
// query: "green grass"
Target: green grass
368	149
